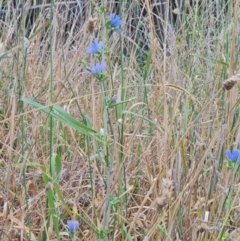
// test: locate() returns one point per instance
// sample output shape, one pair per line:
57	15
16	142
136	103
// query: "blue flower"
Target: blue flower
115	21
97	68
233	155
73	225
94	47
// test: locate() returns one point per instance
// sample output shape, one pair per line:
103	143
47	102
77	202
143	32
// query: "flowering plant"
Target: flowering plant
95	47
233	155
73	225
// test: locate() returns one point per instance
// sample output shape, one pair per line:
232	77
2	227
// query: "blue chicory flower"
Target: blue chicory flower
94	47
73	225
233	155
115	21
97	68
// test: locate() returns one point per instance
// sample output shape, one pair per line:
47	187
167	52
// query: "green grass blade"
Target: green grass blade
144	118
56	167
61	115
52	210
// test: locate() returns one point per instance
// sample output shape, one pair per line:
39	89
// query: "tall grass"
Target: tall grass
150	165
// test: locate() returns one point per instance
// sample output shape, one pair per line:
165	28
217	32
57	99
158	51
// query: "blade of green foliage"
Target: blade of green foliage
61	115
65	206
4	56
45	175
56	167
61	198
182	151
47	179
144	118
58	192
52	210
51	202
88	121
145	76
186	113
147	65
124	102
236	117
46	24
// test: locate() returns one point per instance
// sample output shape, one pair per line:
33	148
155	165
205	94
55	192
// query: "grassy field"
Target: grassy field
119	121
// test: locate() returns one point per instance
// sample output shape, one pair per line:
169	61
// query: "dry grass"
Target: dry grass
168	177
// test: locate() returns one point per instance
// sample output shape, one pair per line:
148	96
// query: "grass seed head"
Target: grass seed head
91	24
229	83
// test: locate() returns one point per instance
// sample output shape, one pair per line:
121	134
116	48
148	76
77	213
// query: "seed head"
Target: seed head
91	24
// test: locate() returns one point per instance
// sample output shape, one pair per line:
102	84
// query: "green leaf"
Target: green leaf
53	213
144	118
61	115
39	30
45	175
147	65
61	198
184	162
56	167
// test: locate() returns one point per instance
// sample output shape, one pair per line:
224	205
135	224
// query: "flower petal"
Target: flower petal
232	155
96	69
73	225
94	47
115	20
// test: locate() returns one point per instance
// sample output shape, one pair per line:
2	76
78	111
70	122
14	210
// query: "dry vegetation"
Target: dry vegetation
161	171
